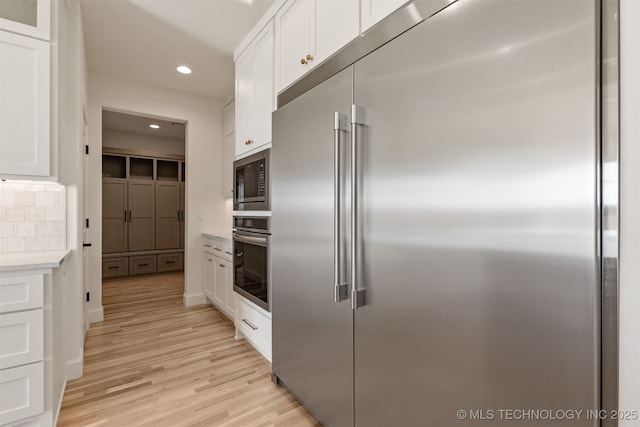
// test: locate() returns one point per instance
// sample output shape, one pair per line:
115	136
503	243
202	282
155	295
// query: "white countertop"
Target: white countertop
32	260
223	236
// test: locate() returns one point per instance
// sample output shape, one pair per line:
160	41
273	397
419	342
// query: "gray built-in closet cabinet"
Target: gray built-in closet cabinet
142	214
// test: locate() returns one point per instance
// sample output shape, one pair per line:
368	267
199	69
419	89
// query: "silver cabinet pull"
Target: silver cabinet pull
340	292
217	249
228	253
251	325
357	294
207	246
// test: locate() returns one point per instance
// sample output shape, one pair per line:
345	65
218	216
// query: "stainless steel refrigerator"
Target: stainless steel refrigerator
435	223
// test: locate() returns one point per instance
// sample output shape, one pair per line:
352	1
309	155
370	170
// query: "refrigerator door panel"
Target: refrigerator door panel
479	219
312	334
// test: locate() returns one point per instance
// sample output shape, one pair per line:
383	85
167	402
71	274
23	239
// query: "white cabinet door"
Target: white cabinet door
220	296
263	58
244	101
293	41
254	93
228	149
22	391
31	18
336	24
209	276
24	105
373	11
227	166
229	118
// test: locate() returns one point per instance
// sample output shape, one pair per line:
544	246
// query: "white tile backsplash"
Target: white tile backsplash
24	198
25	229
32	216
36	213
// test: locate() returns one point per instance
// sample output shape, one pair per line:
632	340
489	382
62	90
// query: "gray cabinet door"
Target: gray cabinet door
168	224
114	219
142	231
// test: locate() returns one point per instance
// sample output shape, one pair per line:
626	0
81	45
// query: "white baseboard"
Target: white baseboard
96	315
74	369
85	324
56	414
193	299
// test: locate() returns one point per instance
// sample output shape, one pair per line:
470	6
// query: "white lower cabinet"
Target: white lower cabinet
21	346
218	274
254	324
21	392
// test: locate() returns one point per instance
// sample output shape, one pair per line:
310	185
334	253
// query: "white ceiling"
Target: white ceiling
145	40
129	123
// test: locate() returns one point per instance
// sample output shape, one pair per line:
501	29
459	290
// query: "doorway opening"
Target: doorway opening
143	200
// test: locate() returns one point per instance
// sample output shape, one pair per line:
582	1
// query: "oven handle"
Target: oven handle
251	239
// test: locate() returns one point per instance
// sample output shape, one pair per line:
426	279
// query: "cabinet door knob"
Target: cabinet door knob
309	57
303	61
249	142
222	265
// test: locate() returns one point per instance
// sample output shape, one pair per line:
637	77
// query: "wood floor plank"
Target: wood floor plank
154	362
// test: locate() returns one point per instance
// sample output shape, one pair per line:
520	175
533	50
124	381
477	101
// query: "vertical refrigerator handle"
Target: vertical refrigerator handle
357	294
341	291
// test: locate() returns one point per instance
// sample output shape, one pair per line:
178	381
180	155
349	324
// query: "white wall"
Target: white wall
132	141
205	208
69	77
630	208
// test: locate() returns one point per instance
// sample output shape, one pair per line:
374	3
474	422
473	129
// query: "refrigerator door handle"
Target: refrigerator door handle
357	294
341	290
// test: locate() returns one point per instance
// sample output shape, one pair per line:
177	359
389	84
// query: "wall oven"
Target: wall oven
251	275
251	182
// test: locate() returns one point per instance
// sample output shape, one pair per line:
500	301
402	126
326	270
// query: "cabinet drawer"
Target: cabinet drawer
115	267
254	325
22	391
22	292
22	338
169	262
142	264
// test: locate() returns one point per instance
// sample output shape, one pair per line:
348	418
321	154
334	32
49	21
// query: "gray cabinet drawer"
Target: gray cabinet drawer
142	264
115	267
169	262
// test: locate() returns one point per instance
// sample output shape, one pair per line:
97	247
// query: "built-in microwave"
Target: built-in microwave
251	182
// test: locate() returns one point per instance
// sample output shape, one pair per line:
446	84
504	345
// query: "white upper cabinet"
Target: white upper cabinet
373	11
336	24
30	18
255	93
308	32
24	105
294	47
228	149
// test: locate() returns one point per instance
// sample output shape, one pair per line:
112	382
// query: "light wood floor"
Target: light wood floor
154	362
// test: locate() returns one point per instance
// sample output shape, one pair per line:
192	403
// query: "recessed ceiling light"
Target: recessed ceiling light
184	69
154	126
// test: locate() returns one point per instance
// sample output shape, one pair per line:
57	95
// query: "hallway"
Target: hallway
155	362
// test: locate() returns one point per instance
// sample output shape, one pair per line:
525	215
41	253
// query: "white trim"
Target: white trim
193	299
96	315
268	16
59	405
74	369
